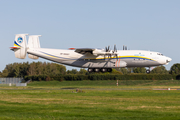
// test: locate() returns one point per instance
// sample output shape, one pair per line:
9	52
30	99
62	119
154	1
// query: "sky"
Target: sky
139	24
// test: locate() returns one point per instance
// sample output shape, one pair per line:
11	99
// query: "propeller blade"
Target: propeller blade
115	49
108	48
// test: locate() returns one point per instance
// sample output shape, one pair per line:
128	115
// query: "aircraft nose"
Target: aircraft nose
168	60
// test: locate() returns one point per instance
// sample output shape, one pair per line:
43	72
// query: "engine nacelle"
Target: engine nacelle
97	52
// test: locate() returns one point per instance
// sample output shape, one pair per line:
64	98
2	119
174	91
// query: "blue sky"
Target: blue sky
140	24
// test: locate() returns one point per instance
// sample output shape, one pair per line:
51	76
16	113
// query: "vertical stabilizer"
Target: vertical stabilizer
20	46
33	42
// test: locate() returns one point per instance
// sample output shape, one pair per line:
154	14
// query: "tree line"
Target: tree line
54	69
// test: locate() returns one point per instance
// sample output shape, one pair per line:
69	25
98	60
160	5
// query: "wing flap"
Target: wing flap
84	50
93	51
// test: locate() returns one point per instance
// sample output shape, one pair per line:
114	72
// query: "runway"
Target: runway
74	88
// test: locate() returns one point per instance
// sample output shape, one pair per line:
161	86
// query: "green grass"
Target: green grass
107	84
93	104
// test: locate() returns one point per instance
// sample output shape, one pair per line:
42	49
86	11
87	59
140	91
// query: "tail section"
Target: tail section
33	42
20	46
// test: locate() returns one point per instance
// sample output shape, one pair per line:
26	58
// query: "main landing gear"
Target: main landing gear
99	69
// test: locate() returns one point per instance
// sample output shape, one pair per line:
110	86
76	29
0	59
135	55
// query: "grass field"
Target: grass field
98	100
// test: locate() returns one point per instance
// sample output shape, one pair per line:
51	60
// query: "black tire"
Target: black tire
96	69
103	70
148	71
90	70
109	69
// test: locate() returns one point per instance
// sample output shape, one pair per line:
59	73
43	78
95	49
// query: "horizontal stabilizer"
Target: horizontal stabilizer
13	48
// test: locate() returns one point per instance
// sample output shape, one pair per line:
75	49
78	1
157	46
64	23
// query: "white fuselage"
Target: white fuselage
87	57
124	58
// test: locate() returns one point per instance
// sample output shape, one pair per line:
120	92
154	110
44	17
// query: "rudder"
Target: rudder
20	46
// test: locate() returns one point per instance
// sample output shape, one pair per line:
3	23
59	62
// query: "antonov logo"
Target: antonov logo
20	40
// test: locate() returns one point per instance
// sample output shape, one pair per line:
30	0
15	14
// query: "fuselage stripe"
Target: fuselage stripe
16	44
119	57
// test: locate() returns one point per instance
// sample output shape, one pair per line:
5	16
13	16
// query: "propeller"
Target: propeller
124	47
114	52
115	49
107	49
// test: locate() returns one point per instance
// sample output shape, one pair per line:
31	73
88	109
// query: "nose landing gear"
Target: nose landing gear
148	71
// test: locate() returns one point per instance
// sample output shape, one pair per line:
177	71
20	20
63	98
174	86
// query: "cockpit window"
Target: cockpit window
160	54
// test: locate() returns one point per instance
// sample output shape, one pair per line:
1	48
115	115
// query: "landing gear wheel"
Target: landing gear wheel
103	70
96	69
90	70
109	69
147	71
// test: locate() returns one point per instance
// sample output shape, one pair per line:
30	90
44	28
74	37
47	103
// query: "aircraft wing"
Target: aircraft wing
84	50
93	51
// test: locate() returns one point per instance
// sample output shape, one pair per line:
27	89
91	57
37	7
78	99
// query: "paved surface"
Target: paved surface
73	88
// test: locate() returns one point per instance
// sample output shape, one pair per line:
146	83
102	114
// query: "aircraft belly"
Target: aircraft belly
100	63
114	63
89	63
141	63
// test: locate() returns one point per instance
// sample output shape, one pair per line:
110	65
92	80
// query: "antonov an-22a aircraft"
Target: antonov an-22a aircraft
94	59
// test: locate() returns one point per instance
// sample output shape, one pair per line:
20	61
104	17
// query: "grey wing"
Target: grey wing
84	50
